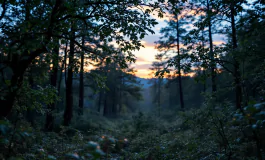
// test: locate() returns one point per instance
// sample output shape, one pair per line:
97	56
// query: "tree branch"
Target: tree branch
4	10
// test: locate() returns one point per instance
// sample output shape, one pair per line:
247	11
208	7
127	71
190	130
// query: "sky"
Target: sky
145	56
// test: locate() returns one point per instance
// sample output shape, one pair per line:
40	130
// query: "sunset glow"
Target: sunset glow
145	56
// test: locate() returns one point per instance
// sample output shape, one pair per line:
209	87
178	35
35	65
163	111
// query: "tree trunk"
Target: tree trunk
120	93
204	72
51	107
159	96
211	53
105	111
114	102
99	101
68	113
8	100
18	64
65	64
62	68
204	84
30	113
236	63
81	81
179	70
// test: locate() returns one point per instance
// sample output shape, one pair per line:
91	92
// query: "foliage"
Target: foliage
23	141
37	82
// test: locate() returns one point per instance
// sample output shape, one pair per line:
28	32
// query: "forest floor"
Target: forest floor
193	134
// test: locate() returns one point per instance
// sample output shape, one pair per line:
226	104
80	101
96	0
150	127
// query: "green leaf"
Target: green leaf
4	141
73	156
92	145
24	134
8	82
260	115
250	109
98	153
4	126
108	60
51	157
142	36
112	140
3	122
147	11
259	106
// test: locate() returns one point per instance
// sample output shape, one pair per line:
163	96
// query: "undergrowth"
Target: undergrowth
209	133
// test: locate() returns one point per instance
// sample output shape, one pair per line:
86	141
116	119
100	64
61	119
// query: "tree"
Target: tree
54	73
250	32
217	11
158	66
211	53
29	38
174	32
81	81
118	91
203	18
236	62
68	113
235	7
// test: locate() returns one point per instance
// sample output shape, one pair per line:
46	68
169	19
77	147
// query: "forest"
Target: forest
69	89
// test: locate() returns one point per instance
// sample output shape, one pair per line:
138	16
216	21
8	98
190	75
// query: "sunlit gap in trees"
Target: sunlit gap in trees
145	53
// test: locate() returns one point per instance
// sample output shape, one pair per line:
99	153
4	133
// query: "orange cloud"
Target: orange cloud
143	73
218	43
143	66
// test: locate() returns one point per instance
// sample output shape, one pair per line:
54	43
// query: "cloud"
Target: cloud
147	44
145	56
143	66
140	59
218	42
219	37
143	73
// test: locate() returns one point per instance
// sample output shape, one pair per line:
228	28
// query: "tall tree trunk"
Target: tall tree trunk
120	93
236	62
99	101
18	67
49	115
18	64
81	81
159	96
211	53
65	64
156	94
179	69
204	84
30	113
31	81
68	113
204	72
62	68
114	102
105	111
